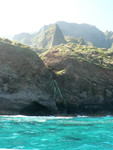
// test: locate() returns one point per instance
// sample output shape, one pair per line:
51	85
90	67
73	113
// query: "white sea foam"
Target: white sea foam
109	116
57	117
64	117
44	120
79	116
13	116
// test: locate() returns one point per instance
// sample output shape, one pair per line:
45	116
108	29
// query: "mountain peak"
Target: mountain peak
58	36
50	37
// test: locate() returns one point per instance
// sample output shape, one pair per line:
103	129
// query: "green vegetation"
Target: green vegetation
61	72
39	51
71	39
90	54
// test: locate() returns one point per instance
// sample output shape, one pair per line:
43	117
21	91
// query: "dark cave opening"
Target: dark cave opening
35	109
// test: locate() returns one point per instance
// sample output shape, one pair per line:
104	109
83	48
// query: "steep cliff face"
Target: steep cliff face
23	80
85	82
48	38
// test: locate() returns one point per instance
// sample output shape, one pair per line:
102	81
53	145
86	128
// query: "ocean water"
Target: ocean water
56	133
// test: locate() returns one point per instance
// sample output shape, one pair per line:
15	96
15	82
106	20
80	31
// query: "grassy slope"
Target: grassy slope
93	55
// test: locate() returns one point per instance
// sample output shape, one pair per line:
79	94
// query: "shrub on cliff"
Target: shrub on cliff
90	54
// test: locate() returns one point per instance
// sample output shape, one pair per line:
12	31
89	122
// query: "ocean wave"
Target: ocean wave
44	120
58	117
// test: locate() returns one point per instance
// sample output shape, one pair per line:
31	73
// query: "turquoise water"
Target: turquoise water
56	133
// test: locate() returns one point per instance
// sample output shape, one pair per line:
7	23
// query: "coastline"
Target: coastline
62	115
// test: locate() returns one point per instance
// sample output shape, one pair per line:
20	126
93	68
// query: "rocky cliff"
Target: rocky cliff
79	80
23	80
85	78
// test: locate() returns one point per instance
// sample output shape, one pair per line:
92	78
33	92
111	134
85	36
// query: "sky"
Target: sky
18	16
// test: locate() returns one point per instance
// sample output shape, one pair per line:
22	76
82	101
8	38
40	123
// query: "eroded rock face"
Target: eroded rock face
87	88
23	79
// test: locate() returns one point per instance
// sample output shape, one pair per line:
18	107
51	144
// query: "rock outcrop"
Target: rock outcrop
23	80
85	82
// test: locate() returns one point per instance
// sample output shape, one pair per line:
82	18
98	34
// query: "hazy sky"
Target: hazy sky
18	16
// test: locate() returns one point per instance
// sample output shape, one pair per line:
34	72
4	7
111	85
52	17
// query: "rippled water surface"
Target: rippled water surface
56	133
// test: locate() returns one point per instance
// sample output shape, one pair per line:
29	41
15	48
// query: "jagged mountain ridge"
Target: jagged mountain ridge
87	32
